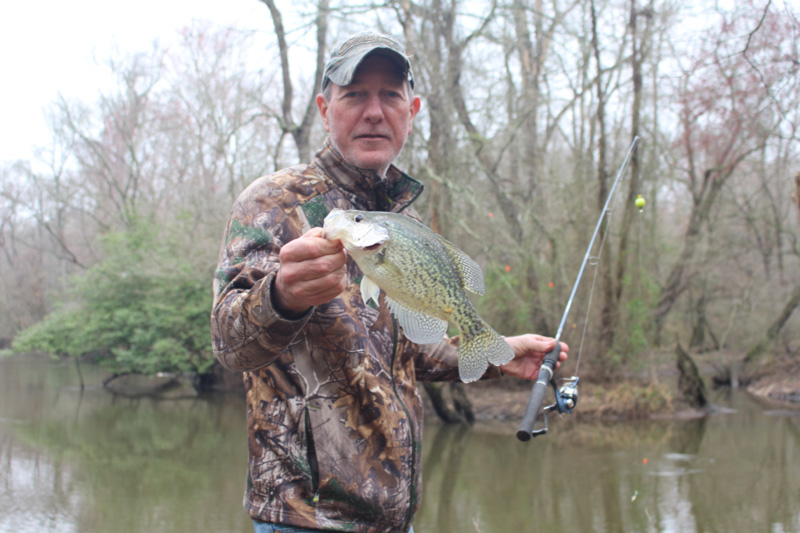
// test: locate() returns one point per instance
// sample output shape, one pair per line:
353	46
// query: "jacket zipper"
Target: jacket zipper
311	453
413	483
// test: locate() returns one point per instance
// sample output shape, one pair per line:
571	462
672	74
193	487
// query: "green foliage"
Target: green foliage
143	309
637	331
505	302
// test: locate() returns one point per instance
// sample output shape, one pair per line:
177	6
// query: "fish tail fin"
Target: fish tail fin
477	350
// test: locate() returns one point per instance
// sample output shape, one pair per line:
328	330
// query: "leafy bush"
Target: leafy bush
144	308
637	330
505	302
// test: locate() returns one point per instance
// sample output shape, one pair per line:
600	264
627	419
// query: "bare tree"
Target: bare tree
299	131
726	117
528	105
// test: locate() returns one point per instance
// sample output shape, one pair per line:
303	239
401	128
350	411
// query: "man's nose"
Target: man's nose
373	109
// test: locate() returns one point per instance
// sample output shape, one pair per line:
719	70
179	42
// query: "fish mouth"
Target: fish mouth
332	224
373	240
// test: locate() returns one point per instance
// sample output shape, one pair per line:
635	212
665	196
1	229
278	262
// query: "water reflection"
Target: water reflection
737	472
91	462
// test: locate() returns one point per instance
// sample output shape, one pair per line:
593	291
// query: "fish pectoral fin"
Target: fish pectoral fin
370	290
469	271
418	327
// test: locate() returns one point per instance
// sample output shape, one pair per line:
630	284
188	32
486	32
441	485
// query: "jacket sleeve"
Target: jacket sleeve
247	332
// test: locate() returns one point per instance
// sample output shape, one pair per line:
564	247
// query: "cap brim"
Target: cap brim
343	71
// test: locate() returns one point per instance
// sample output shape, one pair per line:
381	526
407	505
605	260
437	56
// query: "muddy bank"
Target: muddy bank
779	384
650	393
634	396
506	400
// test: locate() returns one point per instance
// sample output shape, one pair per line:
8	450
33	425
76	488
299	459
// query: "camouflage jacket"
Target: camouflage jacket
334	415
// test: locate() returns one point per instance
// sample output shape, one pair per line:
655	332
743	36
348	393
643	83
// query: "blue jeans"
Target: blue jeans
264	527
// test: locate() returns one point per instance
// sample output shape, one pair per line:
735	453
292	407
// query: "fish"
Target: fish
425	279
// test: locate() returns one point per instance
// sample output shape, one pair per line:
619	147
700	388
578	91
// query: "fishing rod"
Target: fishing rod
566	397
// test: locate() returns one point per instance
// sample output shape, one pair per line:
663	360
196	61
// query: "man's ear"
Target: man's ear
322	105
416	103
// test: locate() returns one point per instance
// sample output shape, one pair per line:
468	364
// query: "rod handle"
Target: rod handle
525	431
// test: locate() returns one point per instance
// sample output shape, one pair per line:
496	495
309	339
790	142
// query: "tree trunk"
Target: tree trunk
678	279
462	412
796	196
699	328
628	208
606	333
690	384
300	133
757	351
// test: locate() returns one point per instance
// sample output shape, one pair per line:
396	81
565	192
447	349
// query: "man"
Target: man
334	415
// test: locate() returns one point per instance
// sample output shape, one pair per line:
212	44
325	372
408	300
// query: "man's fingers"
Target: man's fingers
321	290
313	232
313	271
313	268
308	248
299	286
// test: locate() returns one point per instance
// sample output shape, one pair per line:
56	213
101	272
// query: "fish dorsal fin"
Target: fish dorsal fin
369	290
418	327
470	271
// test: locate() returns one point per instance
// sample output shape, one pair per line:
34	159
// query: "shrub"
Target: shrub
144	308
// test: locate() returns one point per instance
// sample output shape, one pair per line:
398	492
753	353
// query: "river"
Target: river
91	462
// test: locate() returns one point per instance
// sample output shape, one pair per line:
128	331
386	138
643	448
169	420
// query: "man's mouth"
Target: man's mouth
371	136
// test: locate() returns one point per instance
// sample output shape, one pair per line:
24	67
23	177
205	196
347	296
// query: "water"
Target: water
93	462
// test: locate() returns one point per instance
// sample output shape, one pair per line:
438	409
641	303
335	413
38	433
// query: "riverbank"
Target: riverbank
649	394
779	384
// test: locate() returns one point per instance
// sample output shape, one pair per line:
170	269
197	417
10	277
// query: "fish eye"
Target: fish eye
358	218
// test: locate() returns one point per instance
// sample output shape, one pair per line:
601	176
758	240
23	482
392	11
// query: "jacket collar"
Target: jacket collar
366	189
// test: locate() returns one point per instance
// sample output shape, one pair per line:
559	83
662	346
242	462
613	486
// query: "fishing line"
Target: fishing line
639	245
567	396
594	261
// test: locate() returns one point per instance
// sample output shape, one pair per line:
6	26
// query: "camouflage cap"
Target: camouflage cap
347	55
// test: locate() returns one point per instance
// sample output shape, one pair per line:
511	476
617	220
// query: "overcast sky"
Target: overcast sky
55	46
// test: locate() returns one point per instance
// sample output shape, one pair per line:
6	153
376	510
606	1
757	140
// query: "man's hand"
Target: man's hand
529	351
312	272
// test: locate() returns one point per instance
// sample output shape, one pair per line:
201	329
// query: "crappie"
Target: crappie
424	278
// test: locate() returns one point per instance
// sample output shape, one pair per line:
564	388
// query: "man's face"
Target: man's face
369	120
